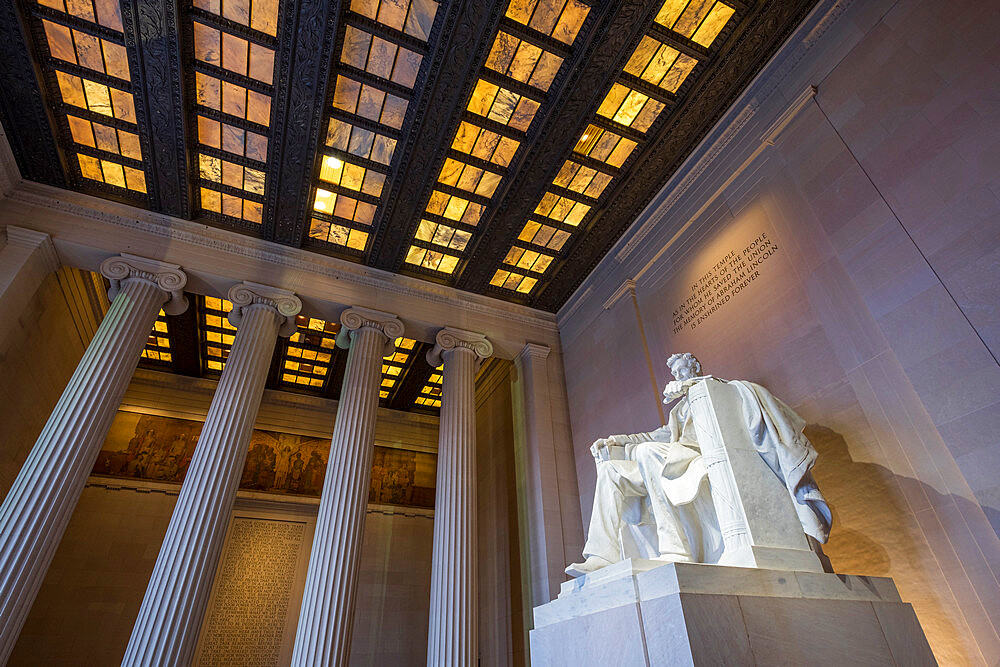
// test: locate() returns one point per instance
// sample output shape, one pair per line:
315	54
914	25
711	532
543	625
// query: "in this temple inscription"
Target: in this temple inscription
252	593
727	278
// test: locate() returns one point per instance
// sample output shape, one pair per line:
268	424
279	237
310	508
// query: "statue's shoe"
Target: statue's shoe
592	564
673	558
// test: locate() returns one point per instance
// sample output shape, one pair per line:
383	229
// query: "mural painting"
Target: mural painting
160	448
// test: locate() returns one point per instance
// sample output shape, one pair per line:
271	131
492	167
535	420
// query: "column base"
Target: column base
645	613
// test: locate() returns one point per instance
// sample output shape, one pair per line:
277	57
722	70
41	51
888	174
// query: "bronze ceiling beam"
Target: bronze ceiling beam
305	54
26	117
597	65
461	42
152	40
741	56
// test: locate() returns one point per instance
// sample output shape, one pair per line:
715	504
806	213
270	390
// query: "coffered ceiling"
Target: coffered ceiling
498	146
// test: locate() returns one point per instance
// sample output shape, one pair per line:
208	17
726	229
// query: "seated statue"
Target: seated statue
653	495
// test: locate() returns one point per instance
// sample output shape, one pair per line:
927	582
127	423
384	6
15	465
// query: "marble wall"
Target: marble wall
89	601
864	223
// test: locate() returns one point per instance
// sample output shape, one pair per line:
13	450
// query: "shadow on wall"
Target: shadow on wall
892	545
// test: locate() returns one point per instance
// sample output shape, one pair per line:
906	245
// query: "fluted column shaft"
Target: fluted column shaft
326	618
453	637
166	630
38	507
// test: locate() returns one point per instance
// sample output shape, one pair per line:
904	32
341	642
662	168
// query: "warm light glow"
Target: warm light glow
584	138
334	163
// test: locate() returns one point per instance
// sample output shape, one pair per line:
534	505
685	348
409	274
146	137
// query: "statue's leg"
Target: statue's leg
674	544
618	482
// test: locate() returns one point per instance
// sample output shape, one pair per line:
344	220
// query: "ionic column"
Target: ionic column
166	631
452	637
39	505
326	618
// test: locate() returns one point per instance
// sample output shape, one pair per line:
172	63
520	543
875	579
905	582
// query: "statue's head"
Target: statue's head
684	366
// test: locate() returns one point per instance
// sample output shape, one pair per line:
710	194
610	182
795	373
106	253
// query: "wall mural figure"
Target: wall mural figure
158	448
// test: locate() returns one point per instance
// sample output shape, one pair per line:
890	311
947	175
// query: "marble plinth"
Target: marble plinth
643	612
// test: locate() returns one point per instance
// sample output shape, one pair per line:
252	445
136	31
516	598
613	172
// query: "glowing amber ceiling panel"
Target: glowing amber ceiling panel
380	57
79	48
394	366
543	235
523	61
105	153
556	18
484	144
469	178
699	20
514	281
630	108
502	106
359	142
234	76
157	350
366	115
217	334
414	18
582	180
261	15
309	353
430	393
604	145
660	65
100	12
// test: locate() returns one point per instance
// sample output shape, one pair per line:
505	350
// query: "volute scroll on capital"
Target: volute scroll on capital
168	277
356	318
245	294
451	339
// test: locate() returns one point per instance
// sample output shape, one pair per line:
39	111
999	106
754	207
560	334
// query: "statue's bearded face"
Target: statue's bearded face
683	369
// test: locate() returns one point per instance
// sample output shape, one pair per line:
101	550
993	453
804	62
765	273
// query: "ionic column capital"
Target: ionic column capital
168	277
458	339
246	294
356	318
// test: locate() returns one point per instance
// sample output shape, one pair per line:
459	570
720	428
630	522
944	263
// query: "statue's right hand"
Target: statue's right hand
596	449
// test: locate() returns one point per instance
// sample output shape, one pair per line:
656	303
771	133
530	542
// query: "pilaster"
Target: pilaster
26	260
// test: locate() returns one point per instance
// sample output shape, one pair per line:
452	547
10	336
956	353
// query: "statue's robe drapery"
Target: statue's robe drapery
658	494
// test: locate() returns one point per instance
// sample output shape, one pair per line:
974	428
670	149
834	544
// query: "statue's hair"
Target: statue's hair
685	356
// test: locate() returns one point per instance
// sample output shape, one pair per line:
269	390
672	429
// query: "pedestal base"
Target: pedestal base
645	612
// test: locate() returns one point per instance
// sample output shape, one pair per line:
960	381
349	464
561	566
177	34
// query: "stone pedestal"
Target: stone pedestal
645	612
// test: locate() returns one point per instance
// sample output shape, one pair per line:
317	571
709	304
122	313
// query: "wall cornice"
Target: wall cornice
176	232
